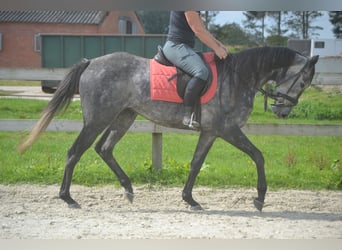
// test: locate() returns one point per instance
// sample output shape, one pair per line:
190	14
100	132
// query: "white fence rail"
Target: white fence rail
149	127
32	74
157	131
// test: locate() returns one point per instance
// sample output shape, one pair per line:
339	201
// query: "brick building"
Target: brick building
20	30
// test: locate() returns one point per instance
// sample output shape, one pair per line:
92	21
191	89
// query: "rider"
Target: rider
179	49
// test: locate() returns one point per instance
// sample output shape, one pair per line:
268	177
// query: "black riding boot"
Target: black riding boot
192	94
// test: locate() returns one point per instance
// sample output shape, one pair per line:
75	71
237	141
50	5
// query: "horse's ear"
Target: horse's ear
314	59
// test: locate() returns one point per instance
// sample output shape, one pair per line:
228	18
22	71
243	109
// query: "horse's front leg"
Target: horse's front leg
203	146
237	138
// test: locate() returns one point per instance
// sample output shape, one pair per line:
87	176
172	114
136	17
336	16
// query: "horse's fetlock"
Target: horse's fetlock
186	197
262	193
64	196
126	183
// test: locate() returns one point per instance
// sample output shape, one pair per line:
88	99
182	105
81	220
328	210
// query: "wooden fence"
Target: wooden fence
32	74
157	131
146	126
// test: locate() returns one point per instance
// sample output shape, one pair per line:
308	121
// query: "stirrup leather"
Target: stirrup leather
191	120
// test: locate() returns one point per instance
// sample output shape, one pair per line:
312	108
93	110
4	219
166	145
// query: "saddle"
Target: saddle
182	77
168	83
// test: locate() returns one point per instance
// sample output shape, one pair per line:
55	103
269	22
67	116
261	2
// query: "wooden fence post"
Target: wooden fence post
157	150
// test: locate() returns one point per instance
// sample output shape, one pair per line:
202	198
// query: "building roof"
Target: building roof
40	16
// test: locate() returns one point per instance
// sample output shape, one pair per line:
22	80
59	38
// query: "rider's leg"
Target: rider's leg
184	57
191	95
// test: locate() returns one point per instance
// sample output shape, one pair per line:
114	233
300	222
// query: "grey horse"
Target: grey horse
115	88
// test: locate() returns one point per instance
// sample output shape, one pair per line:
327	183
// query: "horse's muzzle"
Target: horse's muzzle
281	111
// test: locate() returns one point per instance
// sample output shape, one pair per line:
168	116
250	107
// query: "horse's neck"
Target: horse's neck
259	71
254	74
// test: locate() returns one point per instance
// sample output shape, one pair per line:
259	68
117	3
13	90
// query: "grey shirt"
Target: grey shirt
179	29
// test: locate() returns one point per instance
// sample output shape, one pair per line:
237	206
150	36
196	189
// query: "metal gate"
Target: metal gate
62	51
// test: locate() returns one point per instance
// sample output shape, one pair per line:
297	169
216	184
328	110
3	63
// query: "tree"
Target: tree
301	23
154	22
278	16
232	34
276	40
335	17
157	22
277	33
208	17
252	17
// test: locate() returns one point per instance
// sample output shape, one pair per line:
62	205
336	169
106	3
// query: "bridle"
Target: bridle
293	101
267	94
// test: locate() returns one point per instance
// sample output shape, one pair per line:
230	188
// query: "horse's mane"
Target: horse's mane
263	58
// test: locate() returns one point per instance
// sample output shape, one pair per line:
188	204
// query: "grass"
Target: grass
31	109
300	162
291	162
6	93
19	83
315	107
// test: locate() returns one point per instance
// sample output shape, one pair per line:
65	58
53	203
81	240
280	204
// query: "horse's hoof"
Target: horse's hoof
196	208
129	196
71	202
258	204
74	205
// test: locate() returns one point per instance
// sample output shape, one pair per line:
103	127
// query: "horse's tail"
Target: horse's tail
60	101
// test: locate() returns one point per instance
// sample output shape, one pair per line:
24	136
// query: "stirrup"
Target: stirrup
192	123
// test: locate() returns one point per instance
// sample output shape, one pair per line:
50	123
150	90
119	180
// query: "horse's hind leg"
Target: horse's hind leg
82	143
106	144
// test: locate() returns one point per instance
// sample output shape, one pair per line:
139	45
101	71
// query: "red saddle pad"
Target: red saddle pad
163	89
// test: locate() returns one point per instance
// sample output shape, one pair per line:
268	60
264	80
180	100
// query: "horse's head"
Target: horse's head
291	83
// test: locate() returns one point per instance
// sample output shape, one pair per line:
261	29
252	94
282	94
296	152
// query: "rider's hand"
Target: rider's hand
221	52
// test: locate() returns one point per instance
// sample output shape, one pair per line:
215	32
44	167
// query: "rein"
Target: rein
294	101
267	94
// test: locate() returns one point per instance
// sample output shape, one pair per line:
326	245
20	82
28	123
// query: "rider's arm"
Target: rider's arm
196	24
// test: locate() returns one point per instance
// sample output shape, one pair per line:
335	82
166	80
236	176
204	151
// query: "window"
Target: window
319	45
37	42
126	26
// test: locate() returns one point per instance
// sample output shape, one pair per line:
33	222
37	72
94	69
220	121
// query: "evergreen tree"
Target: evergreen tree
232	34
208	17
157	22
251	23
335	18
301	23
279	18
154	22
